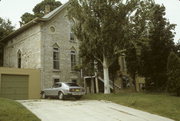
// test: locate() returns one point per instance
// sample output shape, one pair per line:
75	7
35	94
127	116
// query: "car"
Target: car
62	90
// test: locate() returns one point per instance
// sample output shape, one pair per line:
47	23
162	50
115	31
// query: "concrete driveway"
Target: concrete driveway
87	110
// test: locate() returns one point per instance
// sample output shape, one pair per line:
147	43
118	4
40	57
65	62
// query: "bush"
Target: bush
173	72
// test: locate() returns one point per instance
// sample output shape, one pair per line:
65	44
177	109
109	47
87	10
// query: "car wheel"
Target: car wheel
61	96
43	95
78	97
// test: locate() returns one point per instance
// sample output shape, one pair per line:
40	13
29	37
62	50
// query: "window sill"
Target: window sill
73	71
56	70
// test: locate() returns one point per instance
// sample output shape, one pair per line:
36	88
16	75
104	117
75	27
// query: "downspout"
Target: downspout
2	56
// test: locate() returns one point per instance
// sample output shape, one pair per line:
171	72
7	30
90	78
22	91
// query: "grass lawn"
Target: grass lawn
11	110
160	104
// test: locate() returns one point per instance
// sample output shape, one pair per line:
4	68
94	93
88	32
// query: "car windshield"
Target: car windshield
72	84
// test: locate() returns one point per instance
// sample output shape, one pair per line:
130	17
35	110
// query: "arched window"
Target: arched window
72	36
19	59
73	59
56	57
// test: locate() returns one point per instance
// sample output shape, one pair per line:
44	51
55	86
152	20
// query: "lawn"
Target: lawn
11	110
160	104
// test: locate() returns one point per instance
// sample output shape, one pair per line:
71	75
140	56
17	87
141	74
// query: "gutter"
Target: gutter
21	29
31	23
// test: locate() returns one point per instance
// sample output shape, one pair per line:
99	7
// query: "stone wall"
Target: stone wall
36	46
1	55
59	36
28	43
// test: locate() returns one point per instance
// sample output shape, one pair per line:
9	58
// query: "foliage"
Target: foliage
160	46
101	27
26	17
173	69
160	104
139	27
5	29
13	111
153	41
39	10
177	48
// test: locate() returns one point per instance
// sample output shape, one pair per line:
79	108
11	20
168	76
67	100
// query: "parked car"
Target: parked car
62	90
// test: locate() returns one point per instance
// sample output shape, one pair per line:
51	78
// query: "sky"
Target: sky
14	9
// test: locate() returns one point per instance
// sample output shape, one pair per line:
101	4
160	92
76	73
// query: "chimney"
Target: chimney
47	9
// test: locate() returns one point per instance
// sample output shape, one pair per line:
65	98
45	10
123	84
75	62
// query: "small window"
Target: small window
56	58
52	29
19	59
72	38
74	81
55	81
73	60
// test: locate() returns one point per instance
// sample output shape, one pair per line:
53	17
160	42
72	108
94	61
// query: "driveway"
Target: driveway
87	110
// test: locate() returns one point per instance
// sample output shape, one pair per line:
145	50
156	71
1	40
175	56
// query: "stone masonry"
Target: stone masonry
36	46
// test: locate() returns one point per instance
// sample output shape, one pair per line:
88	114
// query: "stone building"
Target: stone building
46	44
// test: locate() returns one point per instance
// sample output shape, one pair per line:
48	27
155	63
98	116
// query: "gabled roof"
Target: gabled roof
45	18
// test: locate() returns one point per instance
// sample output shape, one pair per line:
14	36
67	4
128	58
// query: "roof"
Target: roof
35	21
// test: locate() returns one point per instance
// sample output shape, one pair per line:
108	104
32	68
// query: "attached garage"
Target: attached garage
14	86
19	84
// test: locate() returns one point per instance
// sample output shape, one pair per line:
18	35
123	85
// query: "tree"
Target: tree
173	72
101	28
177	48
160	45
26	17
40	10
152	42
139	36
5	29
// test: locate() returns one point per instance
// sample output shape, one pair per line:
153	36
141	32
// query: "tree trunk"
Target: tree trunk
106	75
92	85
97	85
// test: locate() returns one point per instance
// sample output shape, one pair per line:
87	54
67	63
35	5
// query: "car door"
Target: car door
50	90
56	89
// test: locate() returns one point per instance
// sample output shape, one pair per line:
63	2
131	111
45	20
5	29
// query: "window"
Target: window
55	81
74	80
72	36
55	58
57	85
19	59
72	84
52	29
73	60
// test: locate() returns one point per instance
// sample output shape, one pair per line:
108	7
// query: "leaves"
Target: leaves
5	28
173	69
26	17
39	10
152	39
101	26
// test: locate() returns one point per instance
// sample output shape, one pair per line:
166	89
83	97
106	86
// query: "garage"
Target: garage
14	86
20	84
